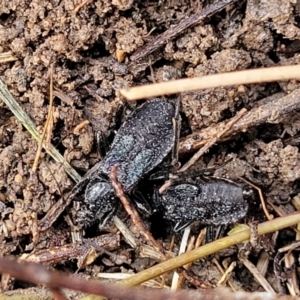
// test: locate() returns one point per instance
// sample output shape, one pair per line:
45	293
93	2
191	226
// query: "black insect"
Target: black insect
210	201
142	142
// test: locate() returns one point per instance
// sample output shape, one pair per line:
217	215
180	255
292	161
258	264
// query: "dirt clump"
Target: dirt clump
88	48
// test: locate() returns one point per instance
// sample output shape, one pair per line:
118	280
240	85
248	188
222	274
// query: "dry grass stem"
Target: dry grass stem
268	112
182	249
129	237
190	247
131	210
225	277
212	81
290	247
200	238
263	263
118	276
183	259
222	272
212	141
292	284
281	213
151	252
296	202
7	57
47	128
257	275
172	242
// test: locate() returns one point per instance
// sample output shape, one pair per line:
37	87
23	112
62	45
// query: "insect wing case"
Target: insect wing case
211	202
142	142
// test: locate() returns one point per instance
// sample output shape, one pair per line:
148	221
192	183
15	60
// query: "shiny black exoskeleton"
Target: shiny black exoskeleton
210	201
142	142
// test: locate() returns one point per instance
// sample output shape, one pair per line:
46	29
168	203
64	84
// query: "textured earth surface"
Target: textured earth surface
88	48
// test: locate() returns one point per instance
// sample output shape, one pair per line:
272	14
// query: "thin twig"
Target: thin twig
213	140
214	260
212	81
261	197
54	212
131	210
7	57
38	274
226	275
194	19
85	252
269	112
182	249
259	277
190	247
48	121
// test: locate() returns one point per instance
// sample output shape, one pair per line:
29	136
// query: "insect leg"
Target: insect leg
179	226
108	217
101	144
141	203
212	235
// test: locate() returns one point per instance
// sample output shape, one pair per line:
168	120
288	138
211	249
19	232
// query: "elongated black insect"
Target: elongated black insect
142	142
212	201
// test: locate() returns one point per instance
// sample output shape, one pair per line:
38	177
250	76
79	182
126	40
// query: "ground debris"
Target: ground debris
85	251
90	45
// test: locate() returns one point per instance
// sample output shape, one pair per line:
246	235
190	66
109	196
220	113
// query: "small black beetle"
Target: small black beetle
142	142
210	201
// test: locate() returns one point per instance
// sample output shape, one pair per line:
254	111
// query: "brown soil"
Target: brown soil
89	50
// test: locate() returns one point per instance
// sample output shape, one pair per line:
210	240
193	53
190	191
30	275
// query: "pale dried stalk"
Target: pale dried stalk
212	141
226	275
263	263
220	268
182	249
46	130
257	275
292	282
212	81
7	57
118	276
190	247
129	237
